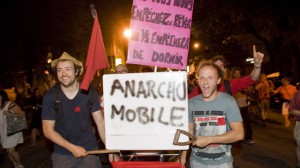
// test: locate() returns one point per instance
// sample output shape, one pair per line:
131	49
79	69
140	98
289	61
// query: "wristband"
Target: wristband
257	66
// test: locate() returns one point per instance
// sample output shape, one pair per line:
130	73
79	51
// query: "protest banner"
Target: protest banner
160	33
142	111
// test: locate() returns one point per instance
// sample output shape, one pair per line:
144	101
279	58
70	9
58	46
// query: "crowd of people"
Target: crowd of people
28	103
58	113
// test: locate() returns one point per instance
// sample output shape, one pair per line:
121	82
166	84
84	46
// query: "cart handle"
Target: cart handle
177	135
102	151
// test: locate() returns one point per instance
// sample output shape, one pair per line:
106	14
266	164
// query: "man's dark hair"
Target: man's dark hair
221	58
192	76
4	96
146	69
234	69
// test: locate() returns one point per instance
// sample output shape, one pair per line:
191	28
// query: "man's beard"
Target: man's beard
69	84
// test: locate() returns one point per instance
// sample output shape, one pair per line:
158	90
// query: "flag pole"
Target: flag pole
96	57
155	68
93	10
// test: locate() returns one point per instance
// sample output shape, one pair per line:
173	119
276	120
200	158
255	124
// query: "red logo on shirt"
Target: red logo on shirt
77	109
221	121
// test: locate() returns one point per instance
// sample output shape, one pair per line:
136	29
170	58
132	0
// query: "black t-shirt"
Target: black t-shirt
77	119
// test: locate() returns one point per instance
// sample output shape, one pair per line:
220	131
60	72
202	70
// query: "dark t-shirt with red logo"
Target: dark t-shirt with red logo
75	122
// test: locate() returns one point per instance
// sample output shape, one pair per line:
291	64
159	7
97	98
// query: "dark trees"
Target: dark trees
232	27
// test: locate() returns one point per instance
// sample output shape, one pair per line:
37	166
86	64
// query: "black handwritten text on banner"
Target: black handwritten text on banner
160	33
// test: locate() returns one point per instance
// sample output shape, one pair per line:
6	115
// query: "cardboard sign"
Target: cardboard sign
160	33
143	110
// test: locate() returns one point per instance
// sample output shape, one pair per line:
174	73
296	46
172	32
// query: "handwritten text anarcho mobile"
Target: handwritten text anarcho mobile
149	89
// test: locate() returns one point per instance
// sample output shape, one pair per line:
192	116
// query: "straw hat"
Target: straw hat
66	56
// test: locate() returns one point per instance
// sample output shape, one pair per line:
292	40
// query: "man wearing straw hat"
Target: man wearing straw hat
67	113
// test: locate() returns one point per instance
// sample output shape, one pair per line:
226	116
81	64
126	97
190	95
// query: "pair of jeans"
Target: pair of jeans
69	161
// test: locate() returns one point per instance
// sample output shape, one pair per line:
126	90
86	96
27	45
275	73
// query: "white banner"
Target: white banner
144	110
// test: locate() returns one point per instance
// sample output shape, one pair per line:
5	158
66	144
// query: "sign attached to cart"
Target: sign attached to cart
144	110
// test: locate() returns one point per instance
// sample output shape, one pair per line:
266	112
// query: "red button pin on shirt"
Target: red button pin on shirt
77	109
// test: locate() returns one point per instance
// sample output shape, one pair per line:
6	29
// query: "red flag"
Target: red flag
96	57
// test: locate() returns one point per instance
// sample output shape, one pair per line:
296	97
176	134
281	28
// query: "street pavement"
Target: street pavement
274	148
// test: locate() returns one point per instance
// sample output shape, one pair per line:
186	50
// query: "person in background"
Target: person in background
215	121
241	99
69	124
286	91
294	109
121	69
9	143
146	69
236	84
35	102
192	82
263	88
23	93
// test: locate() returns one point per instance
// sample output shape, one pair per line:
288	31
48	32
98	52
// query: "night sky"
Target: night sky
32	28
